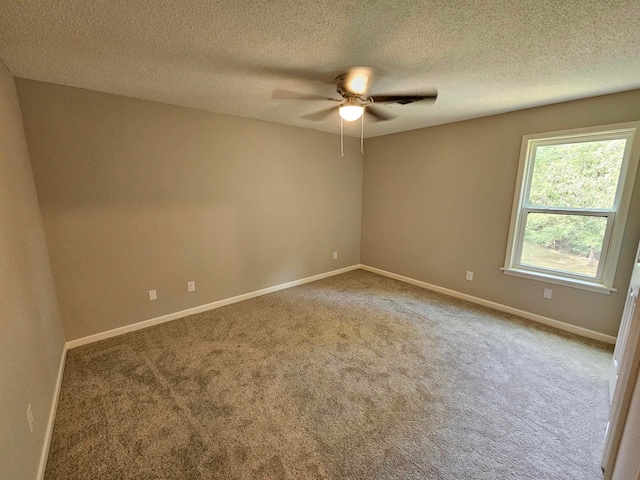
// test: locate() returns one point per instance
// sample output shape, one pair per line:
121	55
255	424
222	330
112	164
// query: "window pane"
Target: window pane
567	243
577	175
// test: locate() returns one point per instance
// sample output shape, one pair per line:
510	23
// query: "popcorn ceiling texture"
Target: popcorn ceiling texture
228	56
357	376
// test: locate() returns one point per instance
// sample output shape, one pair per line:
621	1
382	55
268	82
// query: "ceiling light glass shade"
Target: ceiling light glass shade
351	112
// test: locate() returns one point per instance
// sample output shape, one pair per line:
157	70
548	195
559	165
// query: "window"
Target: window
570	207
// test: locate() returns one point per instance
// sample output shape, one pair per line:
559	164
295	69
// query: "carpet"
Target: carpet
356	376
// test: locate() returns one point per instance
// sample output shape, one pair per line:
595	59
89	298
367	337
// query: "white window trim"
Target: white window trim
616	218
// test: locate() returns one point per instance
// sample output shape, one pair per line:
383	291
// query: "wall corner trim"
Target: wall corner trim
567	327
202	308
48	435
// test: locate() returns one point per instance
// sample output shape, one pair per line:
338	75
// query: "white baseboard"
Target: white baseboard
202	308
52	416
584	332
453	293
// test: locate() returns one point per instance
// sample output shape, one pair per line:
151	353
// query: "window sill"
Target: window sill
567	282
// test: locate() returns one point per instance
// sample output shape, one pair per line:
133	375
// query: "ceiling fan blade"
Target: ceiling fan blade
378	114
405	99
321	115
358	80
289	95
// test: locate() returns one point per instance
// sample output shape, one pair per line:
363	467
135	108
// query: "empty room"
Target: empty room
319	240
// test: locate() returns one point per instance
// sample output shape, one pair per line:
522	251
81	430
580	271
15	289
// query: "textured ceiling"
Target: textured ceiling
228	56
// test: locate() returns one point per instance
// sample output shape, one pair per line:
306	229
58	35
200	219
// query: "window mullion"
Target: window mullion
570	211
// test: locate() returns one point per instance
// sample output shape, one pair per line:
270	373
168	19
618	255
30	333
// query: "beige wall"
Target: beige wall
31	335
137	195
437	202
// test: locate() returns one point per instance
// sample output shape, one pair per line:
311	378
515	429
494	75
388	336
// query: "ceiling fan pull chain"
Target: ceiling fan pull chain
362	137
341	138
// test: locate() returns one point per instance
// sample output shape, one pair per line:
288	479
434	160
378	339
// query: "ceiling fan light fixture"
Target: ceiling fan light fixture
349	113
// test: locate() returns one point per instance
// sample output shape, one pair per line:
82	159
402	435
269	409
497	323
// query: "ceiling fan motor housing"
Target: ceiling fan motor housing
343	89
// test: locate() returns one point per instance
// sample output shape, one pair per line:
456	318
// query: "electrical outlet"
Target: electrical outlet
30	418
153	295
191	286
335	255
547	293
469	276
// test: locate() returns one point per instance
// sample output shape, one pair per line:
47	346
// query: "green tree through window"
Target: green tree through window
577	175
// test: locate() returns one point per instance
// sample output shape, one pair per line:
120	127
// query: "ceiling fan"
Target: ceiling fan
353	87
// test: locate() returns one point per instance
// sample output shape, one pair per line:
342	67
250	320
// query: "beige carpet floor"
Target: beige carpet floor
353	377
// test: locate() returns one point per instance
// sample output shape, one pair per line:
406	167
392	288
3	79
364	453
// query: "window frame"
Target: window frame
616	215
